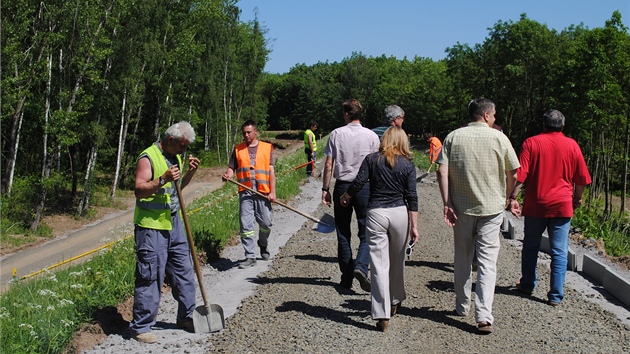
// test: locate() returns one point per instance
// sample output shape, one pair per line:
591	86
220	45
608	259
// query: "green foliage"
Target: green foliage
615	231
41	315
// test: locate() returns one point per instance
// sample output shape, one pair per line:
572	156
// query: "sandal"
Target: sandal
484	327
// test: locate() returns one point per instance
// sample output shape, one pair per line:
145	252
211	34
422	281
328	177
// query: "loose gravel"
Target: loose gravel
291	304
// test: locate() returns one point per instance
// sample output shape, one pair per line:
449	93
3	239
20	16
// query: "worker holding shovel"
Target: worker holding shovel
253	162
161	244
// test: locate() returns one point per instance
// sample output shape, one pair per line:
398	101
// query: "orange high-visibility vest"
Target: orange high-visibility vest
435	146
261	167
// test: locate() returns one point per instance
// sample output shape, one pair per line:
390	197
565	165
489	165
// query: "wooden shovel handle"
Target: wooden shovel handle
191	244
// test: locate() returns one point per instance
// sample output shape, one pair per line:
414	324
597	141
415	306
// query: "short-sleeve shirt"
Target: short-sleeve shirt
477	157
550	164
348	146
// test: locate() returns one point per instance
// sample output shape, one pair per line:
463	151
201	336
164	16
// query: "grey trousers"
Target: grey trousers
161	252
254	208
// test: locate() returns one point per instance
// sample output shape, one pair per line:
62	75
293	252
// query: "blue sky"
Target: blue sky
311	31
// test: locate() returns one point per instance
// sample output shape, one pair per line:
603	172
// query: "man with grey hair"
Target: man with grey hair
477	169
161	244
554	169
392	116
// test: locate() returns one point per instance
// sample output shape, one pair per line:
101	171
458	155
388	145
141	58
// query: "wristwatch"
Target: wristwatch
162	181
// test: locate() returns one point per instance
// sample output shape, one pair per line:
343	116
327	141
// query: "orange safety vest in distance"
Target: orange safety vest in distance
261	167
435	147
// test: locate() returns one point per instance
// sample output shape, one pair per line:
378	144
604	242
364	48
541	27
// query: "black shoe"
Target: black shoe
187	325
364	281
264	253
522	290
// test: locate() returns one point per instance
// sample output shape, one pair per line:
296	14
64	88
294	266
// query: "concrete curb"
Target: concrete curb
613	282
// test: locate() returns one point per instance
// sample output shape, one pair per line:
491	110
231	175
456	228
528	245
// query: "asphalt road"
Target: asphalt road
109	229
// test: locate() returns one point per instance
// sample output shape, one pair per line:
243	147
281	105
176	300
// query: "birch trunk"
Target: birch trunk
121	144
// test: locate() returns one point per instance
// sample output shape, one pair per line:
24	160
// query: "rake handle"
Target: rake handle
279	203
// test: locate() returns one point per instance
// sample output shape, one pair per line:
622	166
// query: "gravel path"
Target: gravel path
291	304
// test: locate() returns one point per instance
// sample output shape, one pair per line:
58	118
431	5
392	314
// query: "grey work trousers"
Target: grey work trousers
161	252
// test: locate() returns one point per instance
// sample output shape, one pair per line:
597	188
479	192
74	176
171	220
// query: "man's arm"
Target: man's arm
513	187
144	186
577	195
193	164
310	143
326	199
272	184
449	212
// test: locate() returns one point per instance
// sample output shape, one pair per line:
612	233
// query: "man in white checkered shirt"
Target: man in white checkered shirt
477	169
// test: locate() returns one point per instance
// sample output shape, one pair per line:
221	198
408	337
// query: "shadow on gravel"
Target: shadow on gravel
224	264
328	313
512	291
446	267
294	280
448	318
441	285
318	258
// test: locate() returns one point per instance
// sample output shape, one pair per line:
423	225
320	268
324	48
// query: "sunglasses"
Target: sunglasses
409	249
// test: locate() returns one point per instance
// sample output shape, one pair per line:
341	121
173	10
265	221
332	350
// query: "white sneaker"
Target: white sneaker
146	337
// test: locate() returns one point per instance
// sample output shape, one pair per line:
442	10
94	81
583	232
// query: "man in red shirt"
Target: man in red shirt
554	169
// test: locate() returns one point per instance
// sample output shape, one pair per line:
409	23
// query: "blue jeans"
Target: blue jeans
558	231
343	219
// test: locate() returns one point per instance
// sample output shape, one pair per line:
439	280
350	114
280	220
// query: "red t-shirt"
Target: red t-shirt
550	164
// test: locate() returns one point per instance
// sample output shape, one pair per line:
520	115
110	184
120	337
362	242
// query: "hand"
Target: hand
272	197
414	234
193	162
345	200
326	198
449	216
227	175
172	174
577	203
514	207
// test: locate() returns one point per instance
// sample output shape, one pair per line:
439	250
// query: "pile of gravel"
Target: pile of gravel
293	304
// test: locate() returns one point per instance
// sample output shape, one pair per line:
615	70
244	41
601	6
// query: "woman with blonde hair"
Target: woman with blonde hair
392	215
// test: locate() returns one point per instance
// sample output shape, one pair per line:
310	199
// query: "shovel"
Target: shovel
209	317
282	204
425	174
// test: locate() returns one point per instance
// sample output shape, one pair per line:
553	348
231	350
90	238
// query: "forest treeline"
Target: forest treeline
87	86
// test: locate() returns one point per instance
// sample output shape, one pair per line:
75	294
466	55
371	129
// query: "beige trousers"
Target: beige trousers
386	230
481	234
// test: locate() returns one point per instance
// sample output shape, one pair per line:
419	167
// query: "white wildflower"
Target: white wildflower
64	302
76	286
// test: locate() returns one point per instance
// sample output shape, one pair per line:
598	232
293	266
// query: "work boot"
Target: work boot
249	262
264	253
186	324
146	337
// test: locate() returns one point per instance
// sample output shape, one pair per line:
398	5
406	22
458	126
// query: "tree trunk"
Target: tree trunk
624	177
121	144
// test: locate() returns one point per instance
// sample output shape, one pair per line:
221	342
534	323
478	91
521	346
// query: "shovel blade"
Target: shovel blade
208	319
326	224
